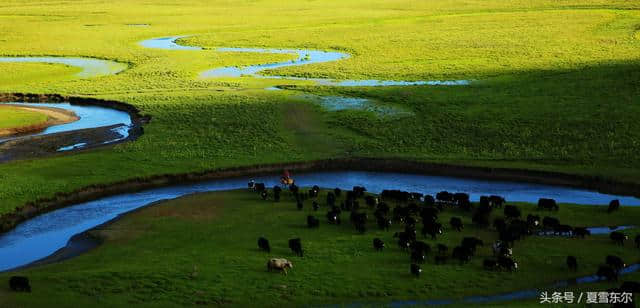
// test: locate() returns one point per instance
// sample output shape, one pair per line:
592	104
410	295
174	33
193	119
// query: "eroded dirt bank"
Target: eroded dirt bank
30	147
54	116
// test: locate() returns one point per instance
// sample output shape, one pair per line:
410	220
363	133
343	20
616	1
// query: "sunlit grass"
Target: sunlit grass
555	84
24	74
15	117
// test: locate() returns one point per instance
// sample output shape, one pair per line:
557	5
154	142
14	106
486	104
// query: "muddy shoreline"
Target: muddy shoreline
33	147
29	147
55	116
80	243
136	115
31	209
77	245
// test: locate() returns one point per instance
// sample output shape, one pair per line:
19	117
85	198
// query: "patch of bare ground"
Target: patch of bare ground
55	116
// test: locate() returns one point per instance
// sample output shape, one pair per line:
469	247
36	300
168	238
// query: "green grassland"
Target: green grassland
556	84
24	74
201	250
15	117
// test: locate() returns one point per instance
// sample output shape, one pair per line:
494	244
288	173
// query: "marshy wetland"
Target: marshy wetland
521	99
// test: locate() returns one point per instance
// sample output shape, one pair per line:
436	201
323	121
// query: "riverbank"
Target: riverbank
161	253
93	192
135	113
24	146
53	116
557	90
89	67
92	238
15	117
43	235
531	119
80	243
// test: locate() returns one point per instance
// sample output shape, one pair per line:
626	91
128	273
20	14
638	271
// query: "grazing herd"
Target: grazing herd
416	211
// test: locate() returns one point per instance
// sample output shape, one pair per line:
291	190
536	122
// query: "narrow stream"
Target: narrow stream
91	67
302	57
90	117
44	234
305	57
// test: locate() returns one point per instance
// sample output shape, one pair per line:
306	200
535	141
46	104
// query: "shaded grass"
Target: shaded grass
201	249
557	84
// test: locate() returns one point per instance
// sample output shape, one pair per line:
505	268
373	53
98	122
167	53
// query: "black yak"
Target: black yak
614	205
547	204
19	283
312	222
618	237
263	244
456	223
378	244
572	263
416	270
296	246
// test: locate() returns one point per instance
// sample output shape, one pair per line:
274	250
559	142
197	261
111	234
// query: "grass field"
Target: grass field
555	84
15	117
24	74
201	250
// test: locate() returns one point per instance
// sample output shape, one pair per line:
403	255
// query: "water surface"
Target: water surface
338	103
90	117
309	56
301	57
167	43
73	147
44	234
305	57
91	67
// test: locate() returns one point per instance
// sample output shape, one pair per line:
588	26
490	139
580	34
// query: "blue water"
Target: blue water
302	57
44	234
309	56
167	43
305	57
337	103
73	147
90	67
90	117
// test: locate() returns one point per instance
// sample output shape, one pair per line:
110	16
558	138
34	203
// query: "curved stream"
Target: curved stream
45	234
90	117
91	67
303	57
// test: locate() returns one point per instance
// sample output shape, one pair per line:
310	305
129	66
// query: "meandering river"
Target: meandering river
302	57
91	67
44	234
90	117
